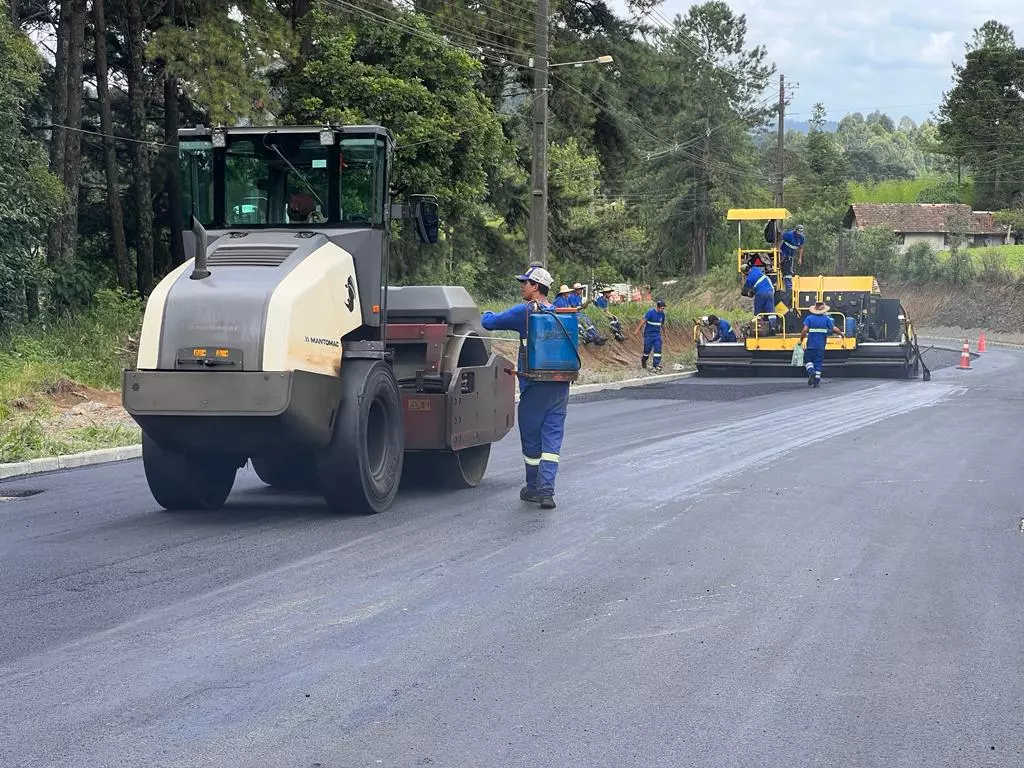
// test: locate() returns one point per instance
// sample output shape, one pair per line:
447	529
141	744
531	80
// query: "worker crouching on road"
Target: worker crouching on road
723	331
817	326
651	326
542	404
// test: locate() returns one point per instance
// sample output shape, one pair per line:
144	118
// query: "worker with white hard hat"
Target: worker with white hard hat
542	404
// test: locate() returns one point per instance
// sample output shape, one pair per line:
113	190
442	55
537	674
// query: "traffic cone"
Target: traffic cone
965	358
981	342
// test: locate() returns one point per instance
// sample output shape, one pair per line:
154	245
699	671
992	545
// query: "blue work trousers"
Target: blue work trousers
813	358
542	408
652	343
765	302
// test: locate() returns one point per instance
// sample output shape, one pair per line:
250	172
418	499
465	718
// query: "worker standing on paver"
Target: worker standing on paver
761	286
542	404
792	247
651	326
817	326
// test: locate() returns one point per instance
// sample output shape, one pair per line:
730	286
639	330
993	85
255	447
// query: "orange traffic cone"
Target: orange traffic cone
981	342
965	358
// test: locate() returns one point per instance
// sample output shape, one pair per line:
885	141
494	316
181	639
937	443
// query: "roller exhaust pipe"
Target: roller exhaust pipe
199	272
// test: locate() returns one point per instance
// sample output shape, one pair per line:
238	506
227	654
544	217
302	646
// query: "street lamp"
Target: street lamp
539	171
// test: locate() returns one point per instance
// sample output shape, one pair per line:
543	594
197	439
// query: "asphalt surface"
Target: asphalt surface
782	577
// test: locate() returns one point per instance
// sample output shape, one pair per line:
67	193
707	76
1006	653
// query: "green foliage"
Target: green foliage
891	190
223	59
89	348
30	197
982	117
919	263
872	251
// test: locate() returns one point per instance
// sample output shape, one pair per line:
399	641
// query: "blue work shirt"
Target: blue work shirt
791	243
725	332
575	300
759	281
601	302
818	329
514	319
653	321
563	302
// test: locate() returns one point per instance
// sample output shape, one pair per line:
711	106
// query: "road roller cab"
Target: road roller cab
279	341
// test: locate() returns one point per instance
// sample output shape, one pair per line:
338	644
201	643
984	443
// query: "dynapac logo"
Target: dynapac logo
323	342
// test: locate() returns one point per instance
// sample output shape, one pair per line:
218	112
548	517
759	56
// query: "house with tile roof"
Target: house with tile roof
928	223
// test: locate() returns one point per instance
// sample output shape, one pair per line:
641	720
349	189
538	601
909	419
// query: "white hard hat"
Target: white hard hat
538	275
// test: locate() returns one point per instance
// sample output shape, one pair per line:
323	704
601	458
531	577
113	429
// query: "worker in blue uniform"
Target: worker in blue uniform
564	298
604	300
792	246
651	326
723	330
761	286
542	404
817	326
577	296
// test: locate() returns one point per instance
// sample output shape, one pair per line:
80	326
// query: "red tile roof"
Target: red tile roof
920	217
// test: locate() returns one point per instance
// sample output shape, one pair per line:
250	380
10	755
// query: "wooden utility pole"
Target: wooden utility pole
539	172
782	138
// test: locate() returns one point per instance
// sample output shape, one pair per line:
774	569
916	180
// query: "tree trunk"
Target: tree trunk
59	116
123	266
73	151
12	8
140	151
172	179
299	10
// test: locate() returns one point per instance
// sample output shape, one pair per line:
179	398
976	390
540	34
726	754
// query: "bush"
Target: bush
919	262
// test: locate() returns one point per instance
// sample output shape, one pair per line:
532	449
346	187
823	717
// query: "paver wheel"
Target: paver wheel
360	470
183	481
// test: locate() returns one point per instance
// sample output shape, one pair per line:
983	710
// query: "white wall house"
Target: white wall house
928	223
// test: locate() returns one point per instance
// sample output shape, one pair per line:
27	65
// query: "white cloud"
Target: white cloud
868	54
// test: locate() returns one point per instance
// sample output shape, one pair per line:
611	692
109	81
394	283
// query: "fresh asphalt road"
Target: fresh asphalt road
739	573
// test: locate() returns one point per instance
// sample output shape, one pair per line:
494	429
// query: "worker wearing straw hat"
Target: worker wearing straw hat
564	298
817	326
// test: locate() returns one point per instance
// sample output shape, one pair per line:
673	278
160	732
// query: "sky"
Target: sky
862	55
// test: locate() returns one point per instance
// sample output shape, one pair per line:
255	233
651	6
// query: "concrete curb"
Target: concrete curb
69	461
109	455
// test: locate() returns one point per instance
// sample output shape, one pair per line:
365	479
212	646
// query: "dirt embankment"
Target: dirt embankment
621	359
997	309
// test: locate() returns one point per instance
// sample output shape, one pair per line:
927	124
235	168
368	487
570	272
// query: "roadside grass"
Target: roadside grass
29	439
41	362
1010	257
90	349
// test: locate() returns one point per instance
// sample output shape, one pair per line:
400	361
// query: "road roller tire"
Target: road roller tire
180	481
453	470
359	472
291	473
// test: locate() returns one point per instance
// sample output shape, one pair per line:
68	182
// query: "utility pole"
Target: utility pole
782	139
539	174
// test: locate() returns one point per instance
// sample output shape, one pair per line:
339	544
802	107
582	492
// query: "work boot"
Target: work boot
643	363
817	383
810	379
547	502
527	495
